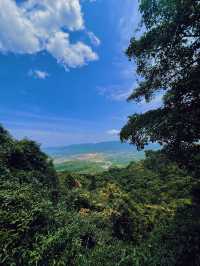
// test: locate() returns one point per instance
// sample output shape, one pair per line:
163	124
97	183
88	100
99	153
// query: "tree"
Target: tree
167	56
25	158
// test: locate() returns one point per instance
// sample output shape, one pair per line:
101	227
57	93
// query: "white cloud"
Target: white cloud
115	92
93	38
17	33
156	102
51	14
91	1
36	25
113	132
129	20
121	95
52	130
38	74
70	55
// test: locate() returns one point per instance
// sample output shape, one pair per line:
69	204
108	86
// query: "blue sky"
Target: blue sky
64	77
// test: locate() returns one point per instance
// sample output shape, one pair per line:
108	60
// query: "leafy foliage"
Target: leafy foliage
145	214
25	160
168	62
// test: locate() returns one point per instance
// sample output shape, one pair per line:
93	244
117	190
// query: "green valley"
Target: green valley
145	214
96	157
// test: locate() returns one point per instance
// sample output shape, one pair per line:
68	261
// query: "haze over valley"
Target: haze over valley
96	157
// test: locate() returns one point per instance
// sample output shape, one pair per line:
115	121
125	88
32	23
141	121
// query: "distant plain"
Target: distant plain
95	157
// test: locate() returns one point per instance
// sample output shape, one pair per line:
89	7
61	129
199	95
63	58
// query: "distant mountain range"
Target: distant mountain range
100	147
95	157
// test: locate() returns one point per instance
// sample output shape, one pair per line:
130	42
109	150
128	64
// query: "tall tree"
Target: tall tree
167	56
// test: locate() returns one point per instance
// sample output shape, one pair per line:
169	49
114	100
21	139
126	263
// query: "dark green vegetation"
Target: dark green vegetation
167	56
145	214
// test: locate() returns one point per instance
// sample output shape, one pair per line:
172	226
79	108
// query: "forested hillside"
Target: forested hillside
146	214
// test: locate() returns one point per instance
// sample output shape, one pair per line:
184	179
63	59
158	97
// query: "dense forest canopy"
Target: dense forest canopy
168	61
145	214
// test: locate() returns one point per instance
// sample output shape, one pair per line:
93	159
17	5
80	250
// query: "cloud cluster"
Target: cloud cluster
113	132
38	74
35	25
93	38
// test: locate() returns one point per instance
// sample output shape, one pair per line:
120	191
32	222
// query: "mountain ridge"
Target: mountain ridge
93	157
98	147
